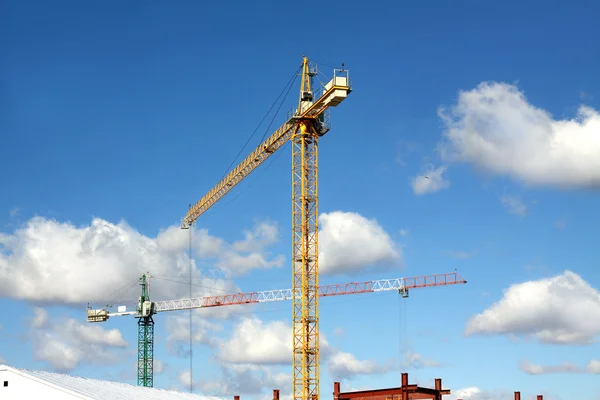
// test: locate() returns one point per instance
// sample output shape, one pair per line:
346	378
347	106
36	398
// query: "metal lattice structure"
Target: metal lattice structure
305	276
145	365
146	308
304	128
401	285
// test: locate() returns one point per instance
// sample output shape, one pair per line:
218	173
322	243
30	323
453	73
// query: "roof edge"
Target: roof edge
24	374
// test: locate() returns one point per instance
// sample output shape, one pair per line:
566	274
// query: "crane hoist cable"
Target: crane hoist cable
190	292
290	83
123	290
289	86
403	353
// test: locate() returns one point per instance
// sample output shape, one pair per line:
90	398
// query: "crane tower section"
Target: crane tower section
311	125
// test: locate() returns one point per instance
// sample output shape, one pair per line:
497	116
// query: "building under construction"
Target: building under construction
405	392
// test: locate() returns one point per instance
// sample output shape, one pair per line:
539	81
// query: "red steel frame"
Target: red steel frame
404	392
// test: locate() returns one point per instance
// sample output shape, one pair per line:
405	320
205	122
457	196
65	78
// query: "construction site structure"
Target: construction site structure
304	127
147	308
405	392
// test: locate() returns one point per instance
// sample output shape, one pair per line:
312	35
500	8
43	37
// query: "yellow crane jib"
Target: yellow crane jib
329	95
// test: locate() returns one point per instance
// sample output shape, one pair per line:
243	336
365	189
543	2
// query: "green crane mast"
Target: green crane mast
145	369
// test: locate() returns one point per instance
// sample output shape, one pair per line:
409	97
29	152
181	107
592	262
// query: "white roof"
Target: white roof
95	389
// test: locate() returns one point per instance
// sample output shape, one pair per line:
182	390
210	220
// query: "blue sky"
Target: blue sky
115	117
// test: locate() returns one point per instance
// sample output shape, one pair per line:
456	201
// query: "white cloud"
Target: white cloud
203	330
253	341
430	181
553	310
247	380
2	360
536	369
185	379
239	264
351	243
263	234
475	393
66	343
593	367
252	357
514	205
417	361
14	212
403	232
467	393
44	256
494	128
158	367
346	366
235	259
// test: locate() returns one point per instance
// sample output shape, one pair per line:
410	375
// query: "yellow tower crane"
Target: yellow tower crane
304	127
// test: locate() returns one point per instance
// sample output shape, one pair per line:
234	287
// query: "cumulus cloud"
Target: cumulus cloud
496	129
475	393
593	367
430	181
350	243
203	331
553	310
346	366
41	258
247	380
417	361
251	358
185	379
514	205
158	367
253	341
67	343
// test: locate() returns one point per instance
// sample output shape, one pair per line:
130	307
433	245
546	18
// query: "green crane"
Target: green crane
146	308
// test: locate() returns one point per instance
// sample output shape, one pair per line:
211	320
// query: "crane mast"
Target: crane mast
305	257
303	129
145	365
